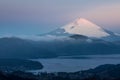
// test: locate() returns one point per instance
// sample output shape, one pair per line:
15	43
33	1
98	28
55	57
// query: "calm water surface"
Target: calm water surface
76	63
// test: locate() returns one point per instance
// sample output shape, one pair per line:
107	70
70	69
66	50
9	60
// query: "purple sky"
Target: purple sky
21	17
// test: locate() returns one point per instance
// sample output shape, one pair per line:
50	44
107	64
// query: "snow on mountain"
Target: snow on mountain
84	27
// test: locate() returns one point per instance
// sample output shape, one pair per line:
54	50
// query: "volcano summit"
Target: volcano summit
86	28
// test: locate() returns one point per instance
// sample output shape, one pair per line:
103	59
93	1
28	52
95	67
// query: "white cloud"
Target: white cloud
38	38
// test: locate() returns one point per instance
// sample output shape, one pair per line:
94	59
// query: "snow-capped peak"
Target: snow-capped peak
84	27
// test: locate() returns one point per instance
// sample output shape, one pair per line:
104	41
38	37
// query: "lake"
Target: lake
76	63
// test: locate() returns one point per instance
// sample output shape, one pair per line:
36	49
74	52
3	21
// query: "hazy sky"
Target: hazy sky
21	17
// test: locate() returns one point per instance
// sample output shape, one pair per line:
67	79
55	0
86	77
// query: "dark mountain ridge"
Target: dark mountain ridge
22	48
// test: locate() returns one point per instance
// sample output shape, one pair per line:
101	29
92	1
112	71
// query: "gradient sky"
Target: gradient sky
26	17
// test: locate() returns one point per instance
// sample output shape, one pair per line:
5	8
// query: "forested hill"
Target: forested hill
103	72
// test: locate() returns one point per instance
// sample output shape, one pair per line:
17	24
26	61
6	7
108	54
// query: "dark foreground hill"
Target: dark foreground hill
103	72
10	65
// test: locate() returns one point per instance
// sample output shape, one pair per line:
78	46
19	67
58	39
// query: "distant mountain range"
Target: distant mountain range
81	37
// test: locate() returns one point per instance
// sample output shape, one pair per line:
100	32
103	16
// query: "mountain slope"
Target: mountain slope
77	38
80	45
20	48
86	28
81	27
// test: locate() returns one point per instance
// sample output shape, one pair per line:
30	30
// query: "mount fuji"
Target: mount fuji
83	27
80	37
